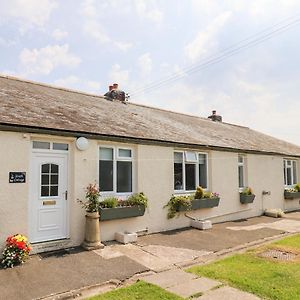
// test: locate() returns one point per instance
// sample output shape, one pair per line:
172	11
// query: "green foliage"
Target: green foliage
138	291
247	191
199	192
297	187
110	202
92	195
137	199
207	194
175	202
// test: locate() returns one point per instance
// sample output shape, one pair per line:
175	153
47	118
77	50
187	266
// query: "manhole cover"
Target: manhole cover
278	254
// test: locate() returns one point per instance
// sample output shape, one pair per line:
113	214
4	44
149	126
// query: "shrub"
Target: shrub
175	202
110	202
247	191
16	251
137	199
297	187
92	195
199	193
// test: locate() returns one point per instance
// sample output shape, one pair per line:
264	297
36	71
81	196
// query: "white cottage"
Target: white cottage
131	148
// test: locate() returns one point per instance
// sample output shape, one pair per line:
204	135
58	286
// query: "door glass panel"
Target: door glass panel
60	146
40	145
49	180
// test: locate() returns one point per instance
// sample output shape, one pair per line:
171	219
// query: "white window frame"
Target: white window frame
51	146
116	158
285	167
196	163
243	165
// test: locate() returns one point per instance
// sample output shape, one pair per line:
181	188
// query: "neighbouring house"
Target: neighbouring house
131	148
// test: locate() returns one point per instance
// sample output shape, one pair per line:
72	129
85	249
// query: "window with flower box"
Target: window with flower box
290	172
190	170
115	169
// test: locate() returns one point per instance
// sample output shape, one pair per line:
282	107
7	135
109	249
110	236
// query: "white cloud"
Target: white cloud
93	85
206	40
148	10
59	34
118	75
28	13
45	60
145	63
70	81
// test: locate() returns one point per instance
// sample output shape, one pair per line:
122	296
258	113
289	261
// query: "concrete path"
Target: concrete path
188	285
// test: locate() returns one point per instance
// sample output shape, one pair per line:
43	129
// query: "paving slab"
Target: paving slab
170	278
194	286
146	259
41	277
227	293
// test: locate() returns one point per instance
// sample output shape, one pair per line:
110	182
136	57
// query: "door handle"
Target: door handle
66	195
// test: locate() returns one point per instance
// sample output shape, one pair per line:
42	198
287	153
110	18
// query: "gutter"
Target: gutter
115	138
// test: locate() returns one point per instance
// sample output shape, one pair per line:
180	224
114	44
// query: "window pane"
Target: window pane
124	176
125	153
59	146
41	145
46	168
54	169
54	191
190	177
178	176
202	171
289	176
45	190
190	156
45	179
106	175
241	176
54	179
178	157
294	173
106	154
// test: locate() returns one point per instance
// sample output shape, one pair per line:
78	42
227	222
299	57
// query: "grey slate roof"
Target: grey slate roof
29	104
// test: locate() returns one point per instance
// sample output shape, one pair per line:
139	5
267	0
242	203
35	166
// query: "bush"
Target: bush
247	191
175	202
110	202
199	193
16	251
137	199
297	187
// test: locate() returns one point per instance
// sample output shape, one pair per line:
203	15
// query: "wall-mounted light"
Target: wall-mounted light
82	143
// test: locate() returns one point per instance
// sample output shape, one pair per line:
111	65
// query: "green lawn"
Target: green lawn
264	277
138	291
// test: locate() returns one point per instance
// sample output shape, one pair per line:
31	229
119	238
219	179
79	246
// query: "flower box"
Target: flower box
201	203
121	212
244	199
291	195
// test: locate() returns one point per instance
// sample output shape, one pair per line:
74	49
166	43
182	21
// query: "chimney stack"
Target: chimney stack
115	94
214	117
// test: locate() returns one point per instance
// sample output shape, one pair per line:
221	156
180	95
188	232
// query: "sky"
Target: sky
89	44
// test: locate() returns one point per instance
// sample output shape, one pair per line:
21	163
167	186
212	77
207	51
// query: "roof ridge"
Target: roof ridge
102	97
51	86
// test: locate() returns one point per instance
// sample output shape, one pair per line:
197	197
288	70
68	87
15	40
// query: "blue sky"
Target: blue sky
87	45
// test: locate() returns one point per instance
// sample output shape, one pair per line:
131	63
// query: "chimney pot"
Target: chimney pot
214	117
110	87
115	86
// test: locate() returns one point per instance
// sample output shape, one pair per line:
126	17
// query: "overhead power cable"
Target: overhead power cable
246	43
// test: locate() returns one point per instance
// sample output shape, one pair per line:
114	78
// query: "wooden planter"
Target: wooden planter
244	199
201	203
121	212
291	195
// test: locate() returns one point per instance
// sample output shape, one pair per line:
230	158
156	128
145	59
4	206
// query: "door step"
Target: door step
50	246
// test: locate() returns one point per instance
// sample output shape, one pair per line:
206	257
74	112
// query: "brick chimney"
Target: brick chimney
214	117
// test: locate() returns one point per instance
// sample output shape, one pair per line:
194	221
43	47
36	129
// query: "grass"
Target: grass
264	277
138	291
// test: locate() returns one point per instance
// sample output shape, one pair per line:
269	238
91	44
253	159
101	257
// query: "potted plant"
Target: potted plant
292	193
201	199
246	195
113	208
92	239
16	251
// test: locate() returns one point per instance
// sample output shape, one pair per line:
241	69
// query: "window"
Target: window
290	172
49	180
190	170
115	170
49	146
241	169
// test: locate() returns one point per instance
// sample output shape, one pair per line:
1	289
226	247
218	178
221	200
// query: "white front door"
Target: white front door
48	197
